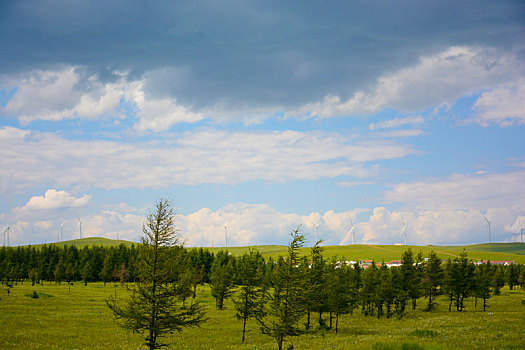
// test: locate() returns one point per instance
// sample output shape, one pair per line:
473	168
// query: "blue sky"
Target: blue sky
261	116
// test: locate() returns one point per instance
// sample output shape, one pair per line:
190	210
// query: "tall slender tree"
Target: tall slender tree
432	279
339	283
154	306
285	304
249	296
222	278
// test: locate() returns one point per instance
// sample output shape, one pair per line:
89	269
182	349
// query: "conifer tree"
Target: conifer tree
154	306
222	278
249	296
498	280
284	305
339	283
432	278
369	289
462	275
316	294
483	277
107	270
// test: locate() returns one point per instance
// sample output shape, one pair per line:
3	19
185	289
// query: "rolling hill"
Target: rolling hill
486	251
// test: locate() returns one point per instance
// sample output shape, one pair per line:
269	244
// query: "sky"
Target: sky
257	117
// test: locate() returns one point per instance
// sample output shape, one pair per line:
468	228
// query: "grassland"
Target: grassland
494	251
80	319
488	251
100	241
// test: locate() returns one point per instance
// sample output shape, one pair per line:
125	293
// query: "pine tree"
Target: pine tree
316	294
462	279
154	306
249	296
384	291
222	278
432	278
369	289
498	280
339	283
107	270
483	278
281	315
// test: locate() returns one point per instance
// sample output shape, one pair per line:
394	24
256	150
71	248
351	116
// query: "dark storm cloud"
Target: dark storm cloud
247	53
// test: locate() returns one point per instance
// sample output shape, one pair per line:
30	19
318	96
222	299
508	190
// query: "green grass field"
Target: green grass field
488	251
494	251
80	319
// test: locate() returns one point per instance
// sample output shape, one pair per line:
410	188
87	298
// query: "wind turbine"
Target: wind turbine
316	226
61	226
226	235
404	230
352	231
488	224
6	234
79	227
521	230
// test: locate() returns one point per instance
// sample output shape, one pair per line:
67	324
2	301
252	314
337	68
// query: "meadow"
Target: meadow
487	251
59	319
356	252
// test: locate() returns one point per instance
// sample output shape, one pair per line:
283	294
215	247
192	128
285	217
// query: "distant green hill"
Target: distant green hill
356	252
100	241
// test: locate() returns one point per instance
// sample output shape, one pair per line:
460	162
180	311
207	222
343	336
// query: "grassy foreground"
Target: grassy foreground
80	319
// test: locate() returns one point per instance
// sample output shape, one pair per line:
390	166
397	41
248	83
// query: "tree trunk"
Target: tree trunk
243	329
336	322
308	320
429	307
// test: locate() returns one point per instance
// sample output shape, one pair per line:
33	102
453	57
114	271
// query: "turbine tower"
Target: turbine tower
316	232
488	225
352	232
226	235
5	231
79	227
521	230
404	231
61	226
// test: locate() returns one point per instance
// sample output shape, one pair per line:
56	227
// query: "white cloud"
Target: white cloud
190	158
158	114
54	199
63	94
438	227
70	93
479	192
257	224
251	224
436	80
397	122
504	105
35	229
